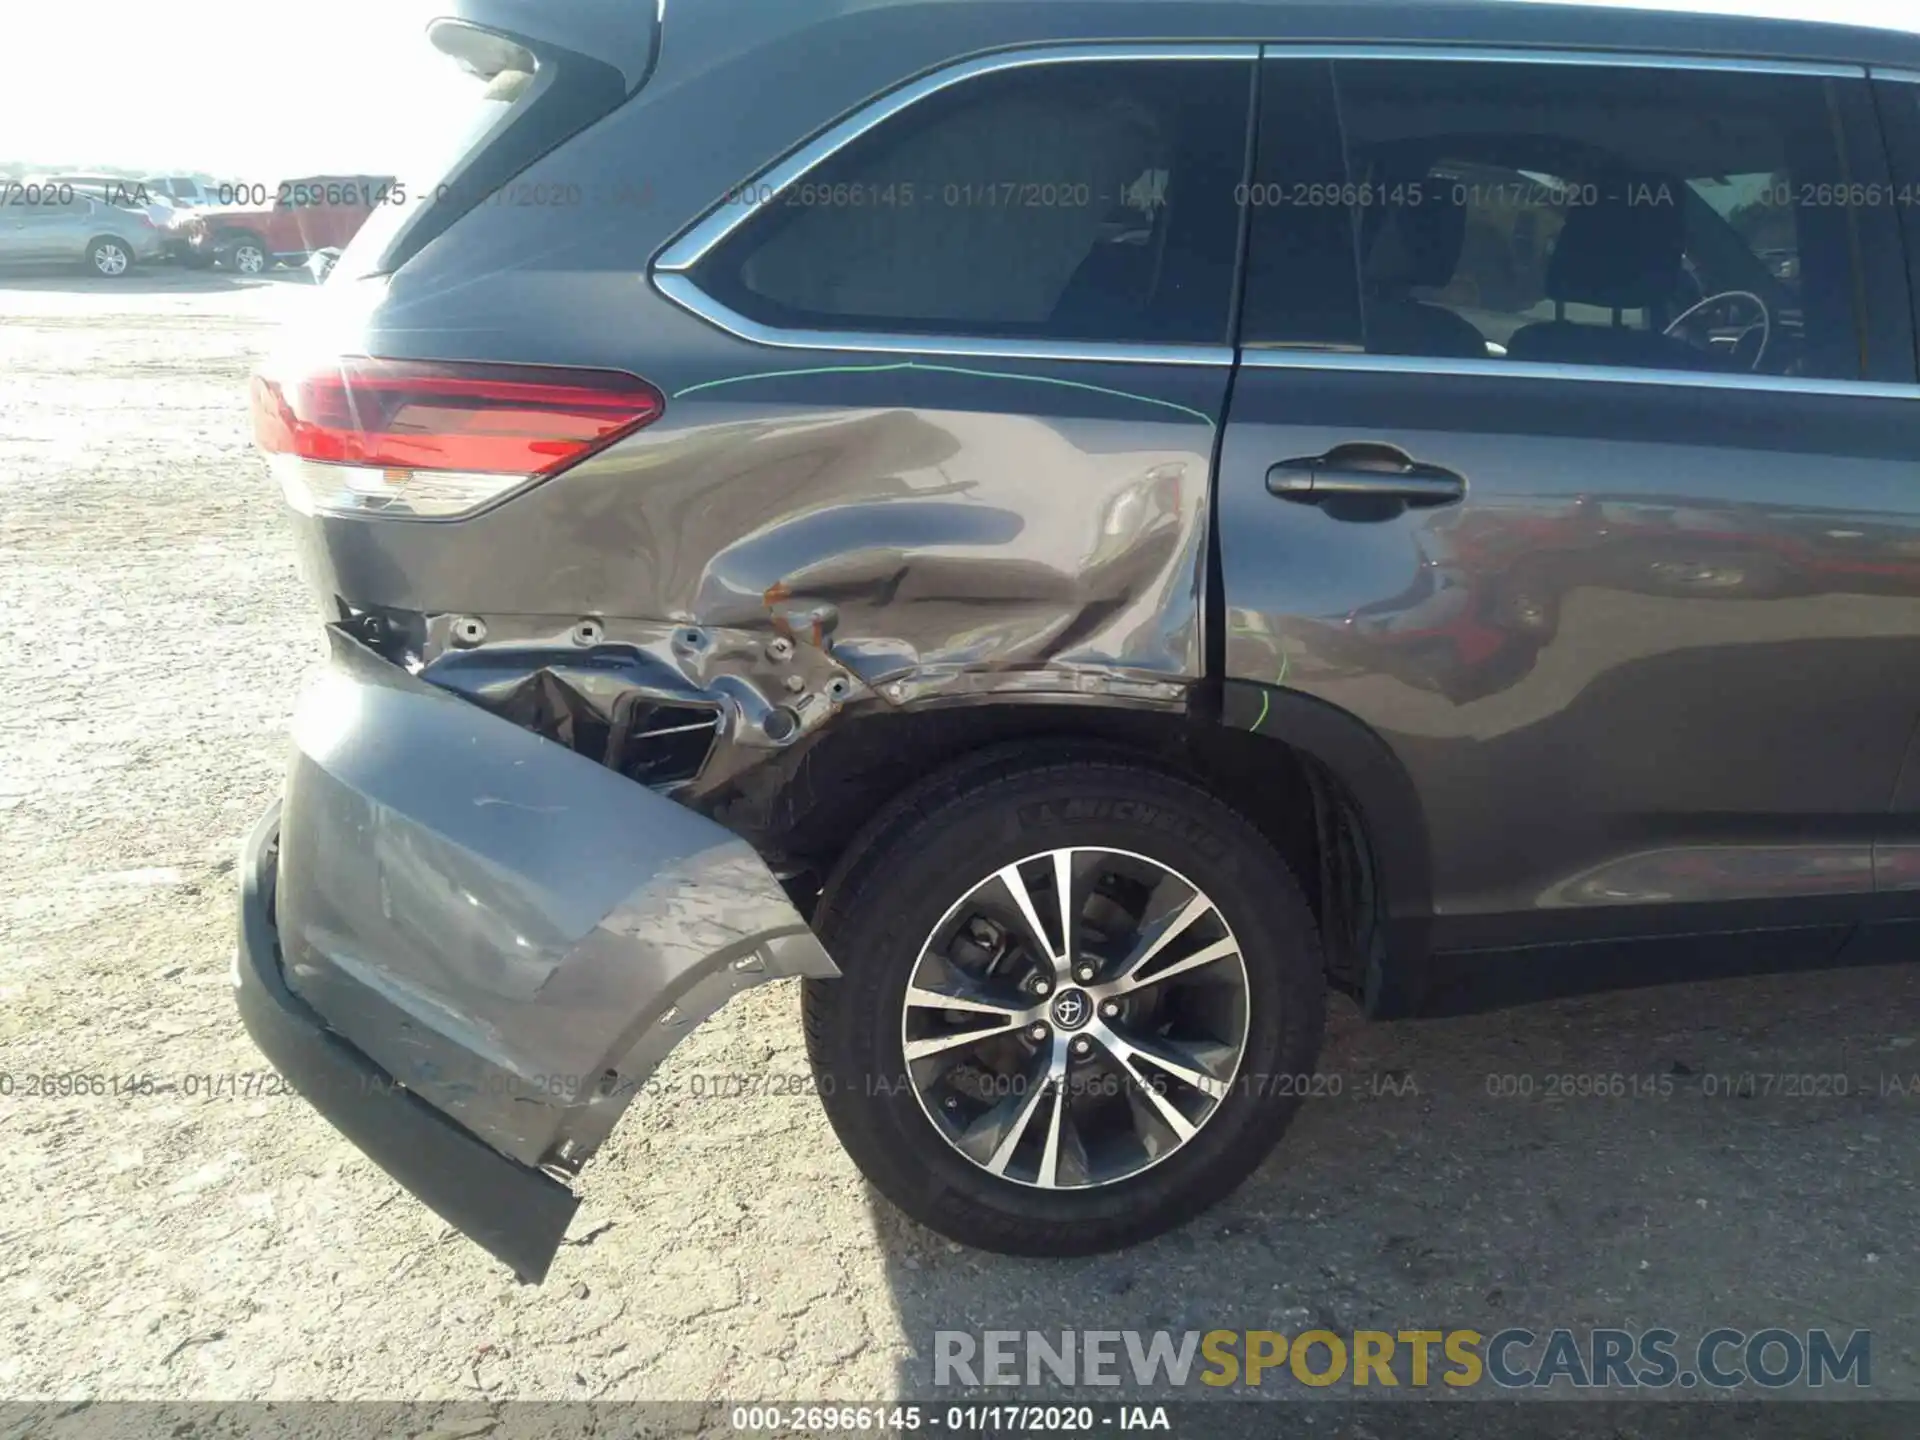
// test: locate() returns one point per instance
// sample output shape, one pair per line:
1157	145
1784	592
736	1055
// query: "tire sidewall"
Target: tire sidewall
878	945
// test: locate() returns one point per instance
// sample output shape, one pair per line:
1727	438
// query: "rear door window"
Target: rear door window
1650	218
1085	200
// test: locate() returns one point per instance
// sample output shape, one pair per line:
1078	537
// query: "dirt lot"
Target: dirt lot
182	1245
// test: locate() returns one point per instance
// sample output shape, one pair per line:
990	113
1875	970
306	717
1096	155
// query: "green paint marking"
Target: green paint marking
1199	415
1266	695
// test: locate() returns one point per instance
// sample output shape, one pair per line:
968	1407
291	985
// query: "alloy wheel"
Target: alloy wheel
110	259
1075	1018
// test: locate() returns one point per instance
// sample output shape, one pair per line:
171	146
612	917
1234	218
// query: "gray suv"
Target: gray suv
1071	529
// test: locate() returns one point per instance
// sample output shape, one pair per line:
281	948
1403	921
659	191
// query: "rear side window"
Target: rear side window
1585	215
1088	200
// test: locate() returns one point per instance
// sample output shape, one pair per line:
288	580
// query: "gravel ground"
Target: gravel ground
176	1246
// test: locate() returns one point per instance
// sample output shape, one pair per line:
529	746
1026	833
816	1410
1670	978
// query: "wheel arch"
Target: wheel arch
1390	817
1318	784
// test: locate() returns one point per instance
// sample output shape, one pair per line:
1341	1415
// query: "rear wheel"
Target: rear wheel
110	257
1077	1004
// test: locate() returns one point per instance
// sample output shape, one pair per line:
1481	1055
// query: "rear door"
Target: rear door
1573	450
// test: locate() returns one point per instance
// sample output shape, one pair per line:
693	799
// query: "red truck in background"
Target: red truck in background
252	227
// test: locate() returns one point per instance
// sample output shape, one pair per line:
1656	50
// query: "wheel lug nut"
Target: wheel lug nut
1085	972
1041	987
1038	1032
1110	1008
1082	1046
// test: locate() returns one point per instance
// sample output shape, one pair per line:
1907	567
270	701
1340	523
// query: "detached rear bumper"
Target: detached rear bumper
469	946
517	1214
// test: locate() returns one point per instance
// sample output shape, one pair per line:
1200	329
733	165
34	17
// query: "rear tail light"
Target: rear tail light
433	440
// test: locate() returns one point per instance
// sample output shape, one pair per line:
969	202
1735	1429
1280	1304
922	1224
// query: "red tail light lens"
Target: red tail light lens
435	439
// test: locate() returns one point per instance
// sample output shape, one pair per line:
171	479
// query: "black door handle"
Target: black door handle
1373	471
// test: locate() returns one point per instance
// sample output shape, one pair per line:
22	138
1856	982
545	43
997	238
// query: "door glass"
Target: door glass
1600	215
1081	201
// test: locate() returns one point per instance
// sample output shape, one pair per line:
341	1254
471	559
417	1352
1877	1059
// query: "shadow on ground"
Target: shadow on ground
1741	1153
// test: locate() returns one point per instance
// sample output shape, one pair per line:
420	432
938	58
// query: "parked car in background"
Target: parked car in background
92	182
61	224
281	224
182	190
131	195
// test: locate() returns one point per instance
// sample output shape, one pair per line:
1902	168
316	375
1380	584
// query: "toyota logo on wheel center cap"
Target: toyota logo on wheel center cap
1072	1009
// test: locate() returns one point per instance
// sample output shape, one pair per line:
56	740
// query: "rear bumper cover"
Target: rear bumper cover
517	1214
506	937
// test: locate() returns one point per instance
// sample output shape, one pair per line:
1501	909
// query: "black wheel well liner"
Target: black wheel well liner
1322	787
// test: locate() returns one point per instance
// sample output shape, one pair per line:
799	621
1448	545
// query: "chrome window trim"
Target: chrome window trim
683	292
669	277
1520	55
693	246
1899	77
1260	359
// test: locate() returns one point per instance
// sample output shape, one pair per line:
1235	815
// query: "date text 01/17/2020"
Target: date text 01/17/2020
952	1419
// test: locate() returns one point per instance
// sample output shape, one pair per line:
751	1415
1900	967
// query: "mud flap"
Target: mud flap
515	934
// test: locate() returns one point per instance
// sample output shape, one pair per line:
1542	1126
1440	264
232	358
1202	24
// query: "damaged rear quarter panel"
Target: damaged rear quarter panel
803	532
928	525
916	529
925	526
